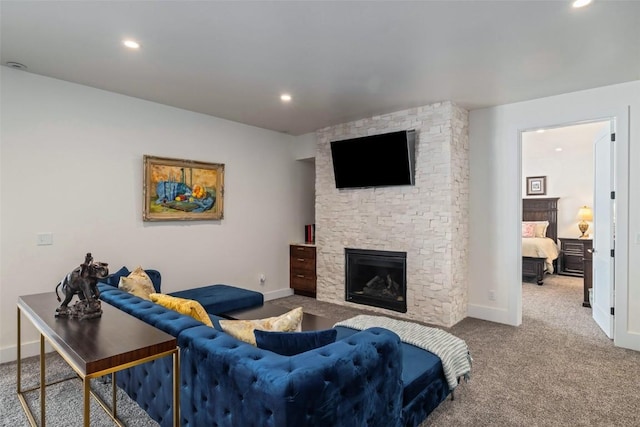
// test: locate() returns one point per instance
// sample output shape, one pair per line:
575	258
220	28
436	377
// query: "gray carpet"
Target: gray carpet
557	369
63	400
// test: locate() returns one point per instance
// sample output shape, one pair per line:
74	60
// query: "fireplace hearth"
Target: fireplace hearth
376	278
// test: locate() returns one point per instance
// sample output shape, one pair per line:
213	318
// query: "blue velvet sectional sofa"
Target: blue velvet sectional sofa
365	378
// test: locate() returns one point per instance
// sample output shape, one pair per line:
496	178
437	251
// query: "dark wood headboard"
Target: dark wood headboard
542	210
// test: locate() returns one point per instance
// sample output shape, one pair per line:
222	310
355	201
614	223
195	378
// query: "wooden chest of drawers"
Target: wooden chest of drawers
302	269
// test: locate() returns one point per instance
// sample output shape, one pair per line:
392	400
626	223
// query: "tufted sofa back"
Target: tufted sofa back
226	382
352	382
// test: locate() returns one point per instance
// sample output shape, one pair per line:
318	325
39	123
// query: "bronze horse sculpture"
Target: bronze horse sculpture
82	281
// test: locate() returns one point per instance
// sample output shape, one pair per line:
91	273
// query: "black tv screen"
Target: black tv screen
374	161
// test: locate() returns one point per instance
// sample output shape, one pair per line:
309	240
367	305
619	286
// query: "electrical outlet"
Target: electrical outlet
492	295
43	239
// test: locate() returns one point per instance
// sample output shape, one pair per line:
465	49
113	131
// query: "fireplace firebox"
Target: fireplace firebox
376	278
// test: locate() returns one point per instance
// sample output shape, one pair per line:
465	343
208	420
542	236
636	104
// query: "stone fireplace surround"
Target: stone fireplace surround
428	221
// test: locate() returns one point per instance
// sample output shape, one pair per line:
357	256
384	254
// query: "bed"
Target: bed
540	254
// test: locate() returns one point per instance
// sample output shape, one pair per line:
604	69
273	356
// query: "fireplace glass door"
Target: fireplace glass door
376	278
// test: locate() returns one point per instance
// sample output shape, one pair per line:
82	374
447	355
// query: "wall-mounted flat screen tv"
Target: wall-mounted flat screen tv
375	161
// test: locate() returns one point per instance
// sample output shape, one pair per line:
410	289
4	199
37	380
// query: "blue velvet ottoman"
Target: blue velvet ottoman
218	299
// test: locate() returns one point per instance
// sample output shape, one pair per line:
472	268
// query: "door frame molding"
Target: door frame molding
621	117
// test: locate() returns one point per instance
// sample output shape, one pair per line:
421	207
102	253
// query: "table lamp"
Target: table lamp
584	214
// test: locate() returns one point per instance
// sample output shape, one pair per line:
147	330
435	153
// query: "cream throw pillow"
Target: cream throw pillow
290	321
137	283
184	306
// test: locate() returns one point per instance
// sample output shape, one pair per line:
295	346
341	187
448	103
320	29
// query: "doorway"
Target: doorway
559	160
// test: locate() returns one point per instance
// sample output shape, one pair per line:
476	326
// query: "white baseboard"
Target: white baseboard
280	293
492	314
32	348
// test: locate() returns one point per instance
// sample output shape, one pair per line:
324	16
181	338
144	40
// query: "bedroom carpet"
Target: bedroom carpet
556	369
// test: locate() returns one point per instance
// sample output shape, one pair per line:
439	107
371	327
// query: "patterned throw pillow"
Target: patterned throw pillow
184	306
528	229
137	283
244	329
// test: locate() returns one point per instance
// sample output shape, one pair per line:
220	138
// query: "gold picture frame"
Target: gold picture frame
536	185
182	190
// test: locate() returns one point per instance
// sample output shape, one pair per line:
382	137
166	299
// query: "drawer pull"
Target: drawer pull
300	249
301	259
300	275
591	251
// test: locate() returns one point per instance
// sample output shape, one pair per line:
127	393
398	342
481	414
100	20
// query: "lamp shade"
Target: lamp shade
585	214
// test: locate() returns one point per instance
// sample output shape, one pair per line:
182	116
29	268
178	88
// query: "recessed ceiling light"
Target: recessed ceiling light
559	149
285	97
580	3
131	44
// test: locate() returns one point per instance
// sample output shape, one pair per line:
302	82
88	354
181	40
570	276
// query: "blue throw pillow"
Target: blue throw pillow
114	279
290	343
155	277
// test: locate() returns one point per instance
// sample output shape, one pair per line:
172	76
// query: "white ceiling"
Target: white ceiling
340	60
574	140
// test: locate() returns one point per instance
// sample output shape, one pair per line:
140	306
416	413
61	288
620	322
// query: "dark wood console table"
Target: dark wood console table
93	348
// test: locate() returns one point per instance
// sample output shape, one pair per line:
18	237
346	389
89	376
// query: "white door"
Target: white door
604	227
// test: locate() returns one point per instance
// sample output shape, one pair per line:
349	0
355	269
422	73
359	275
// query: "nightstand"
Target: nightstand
572	255
575	260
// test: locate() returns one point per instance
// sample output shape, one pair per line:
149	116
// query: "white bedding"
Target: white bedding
541	247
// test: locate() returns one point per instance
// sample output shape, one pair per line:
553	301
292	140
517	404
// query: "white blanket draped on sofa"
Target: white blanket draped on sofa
452	351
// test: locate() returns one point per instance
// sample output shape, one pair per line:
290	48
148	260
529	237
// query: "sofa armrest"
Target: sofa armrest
355	381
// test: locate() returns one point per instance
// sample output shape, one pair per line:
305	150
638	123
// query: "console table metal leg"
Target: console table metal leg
43	385
176	388
23	402
19	355
113	394
86	387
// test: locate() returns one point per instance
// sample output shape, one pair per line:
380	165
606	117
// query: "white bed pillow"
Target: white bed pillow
540	227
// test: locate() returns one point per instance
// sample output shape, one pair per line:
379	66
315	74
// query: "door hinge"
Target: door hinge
613	311
613	137
613	195
613	253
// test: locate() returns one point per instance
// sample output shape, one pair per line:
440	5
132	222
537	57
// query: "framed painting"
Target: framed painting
182	190
536	185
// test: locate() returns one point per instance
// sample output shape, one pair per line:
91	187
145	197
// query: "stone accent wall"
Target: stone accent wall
429	220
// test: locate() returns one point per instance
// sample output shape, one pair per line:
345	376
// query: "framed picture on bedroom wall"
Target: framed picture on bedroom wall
536	185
